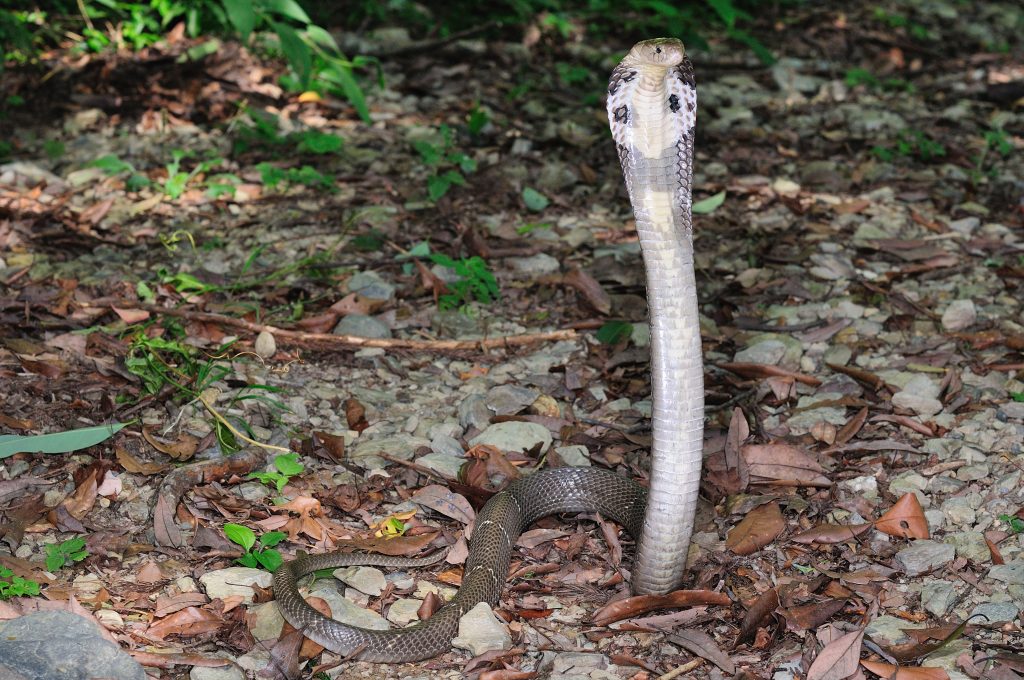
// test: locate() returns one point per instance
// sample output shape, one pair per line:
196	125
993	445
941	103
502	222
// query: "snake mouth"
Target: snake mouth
663	52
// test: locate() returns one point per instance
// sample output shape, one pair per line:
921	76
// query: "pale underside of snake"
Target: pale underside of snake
652	113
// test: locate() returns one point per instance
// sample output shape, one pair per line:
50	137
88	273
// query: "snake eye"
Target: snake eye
657	50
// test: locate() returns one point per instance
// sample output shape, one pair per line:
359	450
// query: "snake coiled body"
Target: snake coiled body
651	111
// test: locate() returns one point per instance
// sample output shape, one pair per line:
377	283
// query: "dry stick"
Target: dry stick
302	338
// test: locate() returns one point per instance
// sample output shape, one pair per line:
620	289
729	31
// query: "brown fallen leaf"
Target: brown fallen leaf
904	519
891	672
132	464
759	528
747	370
852	427
442	500
763	607
838	659
783	463
703	645
188	622
591	290
181	450
860	375
810	616
632	606
830	533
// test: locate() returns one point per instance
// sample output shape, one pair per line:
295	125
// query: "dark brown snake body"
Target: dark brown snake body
651	112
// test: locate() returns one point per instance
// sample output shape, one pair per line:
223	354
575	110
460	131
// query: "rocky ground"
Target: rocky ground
860	257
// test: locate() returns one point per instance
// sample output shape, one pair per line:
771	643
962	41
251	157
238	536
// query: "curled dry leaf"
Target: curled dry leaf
759	528
905	519
440	499
838	659
641	604
810	616
774	463
830	533
181	450
891	672
703	645
763	607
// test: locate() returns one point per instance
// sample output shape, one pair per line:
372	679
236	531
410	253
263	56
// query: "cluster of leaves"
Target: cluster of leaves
166	361
177	179
446	163
861	76
910	144
15	586
264	133
892	20
689	21
67	552
263	556
287	466
476	282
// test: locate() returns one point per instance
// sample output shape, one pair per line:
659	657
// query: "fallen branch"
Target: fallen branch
330	341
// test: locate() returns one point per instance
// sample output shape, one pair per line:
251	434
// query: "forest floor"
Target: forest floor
189	250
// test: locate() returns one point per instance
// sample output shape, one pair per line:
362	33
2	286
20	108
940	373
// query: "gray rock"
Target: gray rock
448	445
399	446
362	326
576	455
1013	410
958	511
533	266
507	400
1011	573
768	352
969	545
972	473
371	285
480	631
59	644
937	597
959	315
345	610
229	672
922	406
451	323
442	463
577	663
404	611
888	630
235	581
997	612
515	436
473	412
364	579
265	621
924	556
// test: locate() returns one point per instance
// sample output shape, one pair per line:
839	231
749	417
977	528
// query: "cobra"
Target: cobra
652	113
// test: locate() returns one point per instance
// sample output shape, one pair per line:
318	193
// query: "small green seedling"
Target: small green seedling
447	164
476	282
287	465
61	554
15	586
1016	523
263	556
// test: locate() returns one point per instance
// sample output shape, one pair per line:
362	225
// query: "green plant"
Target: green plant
1016	523
113	166
287	466
15	586
477	120
264	133
263	556
1017	396
860	76
271	175
893	20
64	553
445	162
311	51
614	332
476	282
911	144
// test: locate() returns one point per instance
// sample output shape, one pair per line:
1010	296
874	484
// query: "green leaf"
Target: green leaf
437	186
269	559
421	249
272	538
72	545
288	464
111	165
430	153
339	72
321	37
300	57
248	560
709	204
59	442
614	332
54	560
318	142
534	200
240	535
289	9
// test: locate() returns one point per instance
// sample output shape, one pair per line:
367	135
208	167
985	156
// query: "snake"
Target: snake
652	115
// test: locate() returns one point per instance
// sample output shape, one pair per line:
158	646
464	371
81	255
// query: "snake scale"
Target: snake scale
652	114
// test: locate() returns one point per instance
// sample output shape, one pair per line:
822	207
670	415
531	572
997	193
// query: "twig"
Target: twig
330	341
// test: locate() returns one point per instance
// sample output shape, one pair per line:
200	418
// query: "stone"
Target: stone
959	315
59	644
404	611
507	400
970	545
958	511
515	436
924	556
1011	573
362	326
366	580
937	597
996	612
480	631
235	581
